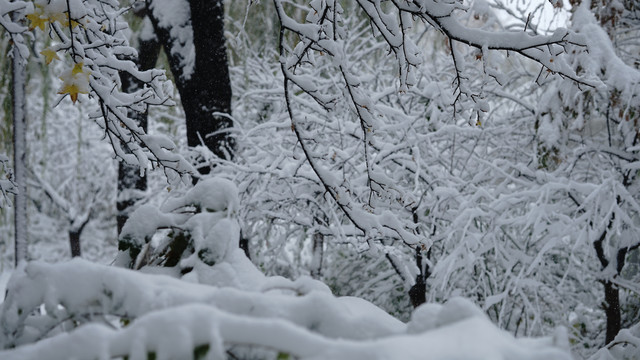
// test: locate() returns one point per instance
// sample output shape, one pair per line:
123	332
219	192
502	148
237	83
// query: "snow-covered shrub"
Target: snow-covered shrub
358	151
86	311
201	222
224	307
508	209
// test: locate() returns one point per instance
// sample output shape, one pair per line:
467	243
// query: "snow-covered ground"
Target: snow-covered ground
170	317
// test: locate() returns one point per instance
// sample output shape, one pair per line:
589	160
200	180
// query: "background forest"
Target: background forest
247	179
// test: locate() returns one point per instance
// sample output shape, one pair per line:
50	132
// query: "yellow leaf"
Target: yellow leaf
59	17
77	69
73	90
37	21
49	55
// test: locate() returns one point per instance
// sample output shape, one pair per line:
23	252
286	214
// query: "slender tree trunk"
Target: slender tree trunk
19	155
244	245
74	242
317	255
75	230
418	292
611	303
612	310
131	185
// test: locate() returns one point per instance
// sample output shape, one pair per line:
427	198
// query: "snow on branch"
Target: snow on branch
92	37
324	43
324	33
132	314
7	185
11	15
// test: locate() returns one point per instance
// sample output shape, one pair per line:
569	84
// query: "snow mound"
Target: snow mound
213	194
432	316
114	312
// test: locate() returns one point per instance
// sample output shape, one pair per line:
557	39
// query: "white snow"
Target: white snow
170	317
175	15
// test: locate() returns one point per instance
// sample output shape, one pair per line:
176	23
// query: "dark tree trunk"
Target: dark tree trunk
612	310
206	91
244	245
130	184
205	88
210	92
418	292
611	303
75	230
74	242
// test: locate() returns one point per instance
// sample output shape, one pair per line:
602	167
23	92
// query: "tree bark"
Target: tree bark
206	91
74	242
612	310
19	155
317	255
611	303
75	230
210	95
244	245
418	292
205	88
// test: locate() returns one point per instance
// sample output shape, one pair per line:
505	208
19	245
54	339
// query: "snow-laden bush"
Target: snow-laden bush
112	312
626	345
228	309
202	222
